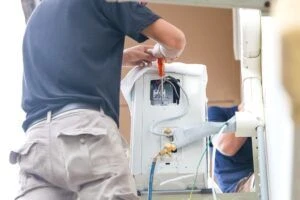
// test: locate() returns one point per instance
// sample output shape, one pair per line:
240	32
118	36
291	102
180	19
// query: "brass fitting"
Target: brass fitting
168	149
167	131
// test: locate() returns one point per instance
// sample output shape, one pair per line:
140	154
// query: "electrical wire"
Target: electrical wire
213	160
197	171
175	89
186	110
176	179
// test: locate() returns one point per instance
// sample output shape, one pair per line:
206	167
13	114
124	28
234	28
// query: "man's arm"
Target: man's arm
171	40
228	144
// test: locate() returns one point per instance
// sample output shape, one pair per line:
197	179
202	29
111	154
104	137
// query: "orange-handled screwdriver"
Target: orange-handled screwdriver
161	66
161	73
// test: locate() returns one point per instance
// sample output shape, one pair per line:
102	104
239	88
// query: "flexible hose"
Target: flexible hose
151	177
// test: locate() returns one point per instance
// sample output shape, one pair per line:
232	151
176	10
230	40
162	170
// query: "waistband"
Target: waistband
68	107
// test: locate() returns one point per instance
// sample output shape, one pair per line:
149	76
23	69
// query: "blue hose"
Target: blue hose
150	185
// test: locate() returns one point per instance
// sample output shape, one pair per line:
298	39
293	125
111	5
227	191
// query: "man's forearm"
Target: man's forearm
228	144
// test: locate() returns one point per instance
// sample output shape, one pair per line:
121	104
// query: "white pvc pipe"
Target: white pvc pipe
264	194
251	62
252	93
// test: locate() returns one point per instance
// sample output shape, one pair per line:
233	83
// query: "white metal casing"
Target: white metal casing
145	145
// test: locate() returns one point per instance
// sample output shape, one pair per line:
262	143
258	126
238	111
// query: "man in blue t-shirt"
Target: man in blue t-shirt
73	51
233	160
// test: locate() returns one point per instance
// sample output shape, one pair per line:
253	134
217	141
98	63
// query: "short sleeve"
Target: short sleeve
230	112
130	18
216	114
221	114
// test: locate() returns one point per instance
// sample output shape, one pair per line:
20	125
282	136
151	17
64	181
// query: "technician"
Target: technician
73	53
234	159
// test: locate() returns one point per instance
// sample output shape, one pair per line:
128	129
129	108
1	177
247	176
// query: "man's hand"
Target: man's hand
138	55
168	54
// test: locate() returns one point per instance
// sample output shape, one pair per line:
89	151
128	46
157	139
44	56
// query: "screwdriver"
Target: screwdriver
161	73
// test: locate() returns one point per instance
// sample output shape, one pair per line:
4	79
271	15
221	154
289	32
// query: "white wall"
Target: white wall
11	116
279	126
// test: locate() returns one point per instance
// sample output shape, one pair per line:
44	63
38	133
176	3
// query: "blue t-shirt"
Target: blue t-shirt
72	52
230	169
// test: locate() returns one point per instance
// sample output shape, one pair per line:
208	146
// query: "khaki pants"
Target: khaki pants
76	155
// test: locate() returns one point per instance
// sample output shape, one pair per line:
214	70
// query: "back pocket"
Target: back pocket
75	145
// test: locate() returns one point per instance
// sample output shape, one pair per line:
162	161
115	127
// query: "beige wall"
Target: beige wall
210	42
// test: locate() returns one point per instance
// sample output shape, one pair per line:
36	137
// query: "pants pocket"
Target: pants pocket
15	156
32	161
75	144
